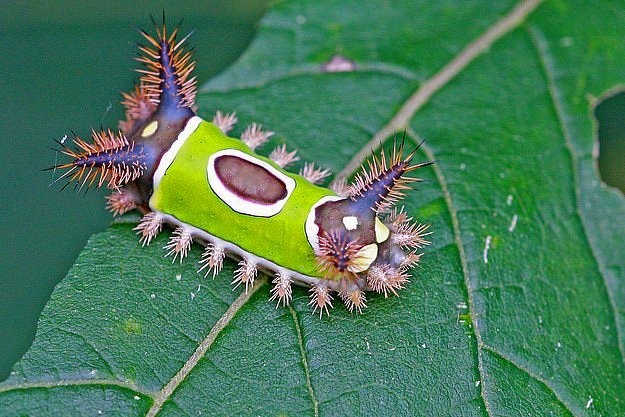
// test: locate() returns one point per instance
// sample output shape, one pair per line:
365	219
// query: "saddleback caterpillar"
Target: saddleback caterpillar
184	172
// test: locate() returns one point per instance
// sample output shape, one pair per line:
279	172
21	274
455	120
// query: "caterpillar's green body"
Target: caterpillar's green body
184	193
185	172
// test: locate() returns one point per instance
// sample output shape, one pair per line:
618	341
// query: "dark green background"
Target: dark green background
63	66
611	116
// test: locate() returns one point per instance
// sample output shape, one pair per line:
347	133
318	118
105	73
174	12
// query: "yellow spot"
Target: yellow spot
381	231
364	258
150	129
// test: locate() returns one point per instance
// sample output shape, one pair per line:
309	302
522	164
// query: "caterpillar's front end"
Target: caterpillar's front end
180	170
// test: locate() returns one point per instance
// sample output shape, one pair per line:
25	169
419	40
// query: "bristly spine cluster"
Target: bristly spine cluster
384	182
336	255
110	159
163	52
138	107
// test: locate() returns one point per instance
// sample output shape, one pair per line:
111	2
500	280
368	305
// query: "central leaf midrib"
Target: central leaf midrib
464	266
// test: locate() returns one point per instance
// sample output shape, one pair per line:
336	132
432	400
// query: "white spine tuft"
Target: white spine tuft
386	279
212	259
320	299
342	188
282	289
411	235
225	121
282	157
410	261
254	136
354	299
179	243
245	274
314	174
121	201
149	226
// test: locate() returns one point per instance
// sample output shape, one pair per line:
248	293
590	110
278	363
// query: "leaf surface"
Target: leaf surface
516	309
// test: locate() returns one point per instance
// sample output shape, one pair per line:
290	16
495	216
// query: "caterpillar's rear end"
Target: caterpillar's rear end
182	171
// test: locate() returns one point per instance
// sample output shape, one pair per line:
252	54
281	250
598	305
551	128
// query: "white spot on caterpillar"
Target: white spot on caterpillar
350	222
150	129
152	296
512	226
178	277
486	248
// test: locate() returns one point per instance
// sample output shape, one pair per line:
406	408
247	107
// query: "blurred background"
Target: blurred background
63	66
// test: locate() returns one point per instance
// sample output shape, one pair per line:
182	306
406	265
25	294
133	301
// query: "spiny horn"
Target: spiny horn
110	159
167	77
384	182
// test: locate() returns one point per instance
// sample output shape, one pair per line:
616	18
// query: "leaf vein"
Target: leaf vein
87	343
173	325
167	391
76	382
529	373
464	265
309	69
428	88
302	350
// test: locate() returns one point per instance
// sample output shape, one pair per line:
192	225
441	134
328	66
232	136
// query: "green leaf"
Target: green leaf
516	309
